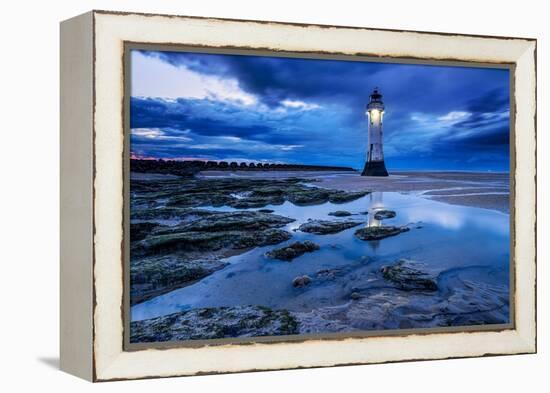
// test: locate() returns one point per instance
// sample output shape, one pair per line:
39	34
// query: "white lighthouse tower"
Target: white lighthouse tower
374	166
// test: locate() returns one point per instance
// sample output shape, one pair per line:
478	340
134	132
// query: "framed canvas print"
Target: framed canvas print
245	195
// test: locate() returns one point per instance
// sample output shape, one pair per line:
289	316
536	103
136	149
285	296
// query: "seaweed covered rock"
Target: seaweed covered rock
301	281
378	233
261	238
238	193
384	214
237	220
292	251
218	230
169	213
304	196
338	196
153	276
212	323
251	202
355	296
406	276
211	241
324	227
340	213
327	274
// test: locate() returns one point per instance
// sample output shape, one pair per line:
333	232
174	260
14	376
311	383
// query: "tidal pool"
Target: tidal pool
465	249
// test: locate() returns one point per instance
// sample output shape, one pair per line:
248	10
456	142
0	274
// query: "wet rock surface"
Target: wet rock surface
301	281
175	214
328	274
238	193
406	276
355	296
340	213
292	251
459	300
384	214
216	231
324	227
212	323
150	277
378	233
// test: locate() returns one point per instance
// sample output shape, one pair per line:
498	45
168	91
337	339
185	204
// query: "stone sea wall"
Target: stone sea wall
189	168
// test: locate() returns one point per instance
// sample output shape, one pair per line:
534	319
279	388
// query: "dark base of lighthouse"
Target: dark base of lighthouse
375	168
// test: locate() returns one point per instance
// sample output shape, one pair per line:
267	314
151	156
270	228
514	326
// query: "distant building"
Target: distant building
374	165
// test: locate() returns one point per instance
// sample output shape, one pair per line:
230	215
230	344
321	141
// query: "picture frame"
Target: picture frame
95	188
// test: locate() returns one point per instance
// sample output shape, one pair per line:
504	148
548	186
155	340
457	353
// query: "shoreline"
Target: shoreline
491	188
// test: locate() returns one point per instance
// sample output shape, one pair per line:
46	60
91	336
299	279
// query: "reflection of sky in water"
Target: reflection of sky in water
442	237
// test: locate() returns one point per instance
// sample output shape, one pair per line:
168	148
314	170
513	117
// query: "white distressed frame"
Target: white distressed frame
110	31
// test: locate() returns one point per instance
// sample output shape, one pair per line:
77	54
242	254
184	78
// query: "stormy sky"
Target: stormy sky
275	109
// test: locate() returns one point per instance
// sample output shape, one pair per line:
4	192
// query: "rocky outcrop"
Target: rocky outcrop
328	274
378	233
355	296
216	231
301	281
324	227
406	276
340	213
292	251
213	323
384	214
236	220
238	193
152	276
169	213
345	196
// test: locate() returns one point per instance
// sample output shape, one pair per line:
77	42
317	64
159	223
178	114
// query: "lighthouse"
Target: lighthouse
374	166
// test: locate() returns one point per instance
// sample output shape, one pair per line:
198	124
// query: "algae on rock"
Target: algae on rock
212	323
292	251
408	277
378	233
324	227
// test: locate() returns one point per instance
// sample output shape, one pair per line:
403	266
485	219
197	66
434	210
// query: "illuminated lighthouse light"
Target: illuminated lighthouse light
374	165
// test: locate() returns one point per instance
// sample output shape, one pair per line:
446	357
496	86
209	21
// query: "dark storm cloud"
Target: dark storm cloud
274	79
203	116
493	101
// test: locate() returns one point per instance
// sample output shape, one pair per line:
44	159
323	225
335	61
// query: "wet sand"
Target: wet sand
474	189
